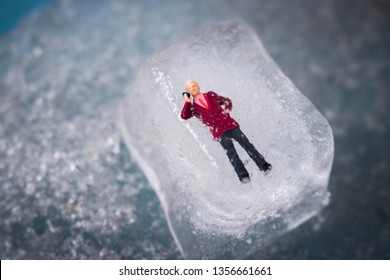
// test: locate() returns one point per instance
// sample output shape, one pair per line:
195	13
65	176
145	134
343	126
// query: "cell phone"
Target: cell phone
187	93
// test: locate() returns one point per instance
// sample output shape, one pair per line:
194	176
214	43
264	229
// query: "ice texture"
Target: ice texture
210	213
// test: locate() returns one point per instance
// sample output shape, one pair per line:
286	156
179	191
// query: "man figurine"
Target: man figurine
214	111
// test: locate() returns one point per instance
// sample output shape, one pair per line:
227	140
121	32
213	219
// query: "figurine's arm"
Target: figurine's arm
187	111
224	102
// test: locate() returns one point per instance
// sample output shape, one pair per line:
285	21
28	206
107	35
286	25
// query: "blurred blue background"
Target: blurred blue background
11	11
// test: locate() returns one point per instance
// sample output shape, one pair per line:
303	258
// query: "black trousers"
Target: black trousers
227	143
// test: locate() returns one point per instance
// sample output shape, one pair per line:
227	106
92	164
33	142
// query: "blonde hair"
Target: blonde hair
191	81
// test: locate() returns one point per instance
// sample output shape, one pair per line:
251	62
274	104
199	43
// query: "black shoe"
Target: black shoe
266	167
244	178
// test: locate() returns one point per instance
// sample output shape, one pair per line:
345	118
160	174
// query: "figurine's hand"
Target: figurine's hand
186	98
226	111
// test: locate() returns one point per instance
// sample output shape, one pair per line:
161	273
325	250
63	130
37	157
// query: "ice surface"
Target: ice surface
210	213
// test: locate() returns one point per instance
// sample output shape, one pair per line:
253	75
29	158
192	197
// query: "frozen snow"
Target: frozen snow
210	213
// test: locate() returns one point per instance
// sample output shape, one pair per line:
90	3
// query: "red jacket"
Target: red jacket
214	118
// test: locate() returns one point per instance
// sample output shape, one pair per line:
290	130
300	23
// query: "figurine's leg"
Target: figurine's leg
235	160
240	137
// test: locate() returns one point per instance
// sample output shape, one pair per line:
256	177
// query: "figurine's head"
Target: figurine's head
193	88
